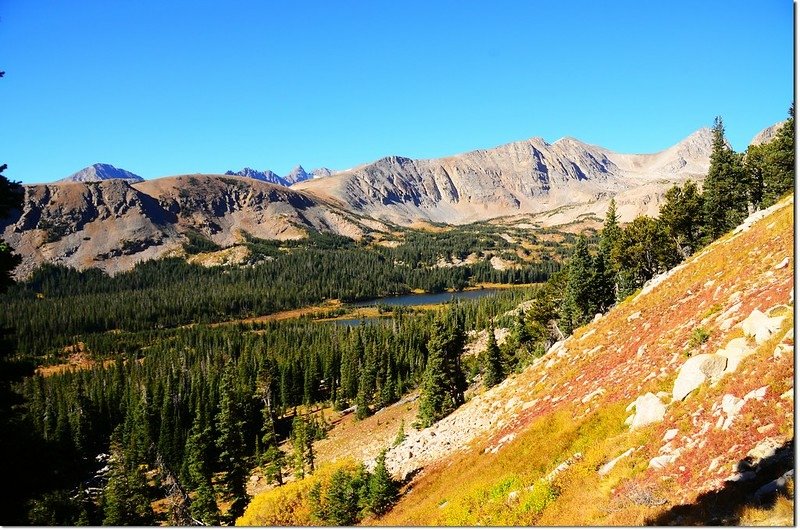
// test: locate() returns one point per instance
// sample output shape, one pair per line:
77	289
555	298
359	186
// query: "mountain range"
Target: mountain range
111	218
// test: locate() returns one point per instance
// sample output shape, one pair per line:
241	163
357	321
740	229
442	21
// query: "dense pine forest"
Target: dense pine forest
183	413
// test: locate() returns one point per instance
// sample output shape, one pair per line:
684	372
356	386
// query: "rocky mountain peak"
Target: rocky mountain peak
99	172
298	174
767	134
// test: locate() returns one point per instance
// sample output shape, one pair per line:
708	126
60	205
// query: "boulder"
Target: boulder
649	409
760	326
695	371
606	468
736	350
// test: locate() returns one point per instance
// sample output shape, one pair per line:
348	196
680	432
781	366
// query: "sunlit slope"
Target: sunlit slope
560	451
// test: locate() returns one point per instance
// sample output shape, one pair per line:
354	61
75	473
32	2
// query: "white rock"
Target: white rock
789	394
670	434
764	449
649	409
782	264
760	326
660	462
606	468
757	394
634	316
736	350
695	371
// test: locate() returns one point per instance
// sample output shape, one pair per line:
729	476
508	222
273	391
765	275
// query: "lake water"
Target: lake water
410	300
407	300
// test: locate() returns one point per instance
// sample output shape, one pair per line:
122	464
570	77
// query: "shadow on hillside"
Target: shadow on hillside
724	507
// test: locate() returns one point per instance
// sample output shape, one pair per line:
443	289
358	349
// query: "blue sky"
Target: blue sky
163	88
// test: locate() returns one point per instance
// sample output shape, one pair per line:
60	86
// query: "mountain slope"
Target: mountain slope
531	176
554	444
99	172
556	434
113	225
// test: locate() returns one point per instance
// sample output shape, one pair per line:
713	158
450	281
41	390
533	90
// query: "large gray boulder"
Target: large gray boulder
695	371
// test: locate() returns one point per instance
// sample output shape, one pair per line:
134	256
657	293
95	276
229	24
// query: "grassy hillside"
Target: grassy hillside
550	446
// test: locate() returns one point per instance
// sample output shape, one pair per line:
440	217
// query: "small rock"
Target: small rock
782	264
513	496
789	394
757	394
597	317
764	449
765	428
670	434
634	316
736	350
606	468
774	486
660	462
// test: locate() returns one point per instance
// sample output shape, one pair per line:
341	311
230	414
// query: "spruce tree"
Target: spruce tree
492	362
682	215
125	499
725	190
443	382
383	488
779	163
203	506
577	296
232	456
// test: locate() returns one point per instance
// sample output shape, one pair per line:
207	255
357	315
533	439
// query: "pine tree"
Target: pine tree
492	362
125	497
443	382
272	459
577	296
204	505
778	170
682	215
383	488
232	456
725	188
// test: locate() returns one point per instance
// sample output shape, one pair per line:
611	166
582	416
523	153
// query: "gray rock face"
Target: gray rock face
99	172
695	371
531	176
264	176
113	225
767	135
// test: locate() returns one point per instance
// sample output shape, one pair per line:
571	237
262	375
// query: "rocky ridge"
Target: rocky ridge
113	224
558	182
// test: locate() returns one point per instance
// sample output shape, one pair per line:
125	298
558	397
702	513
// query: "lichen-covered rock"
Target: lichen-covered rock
695	371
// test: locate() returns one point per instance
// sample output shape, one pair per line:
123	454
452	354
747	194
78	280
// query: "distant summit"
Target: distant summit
99	172
298	174
264	176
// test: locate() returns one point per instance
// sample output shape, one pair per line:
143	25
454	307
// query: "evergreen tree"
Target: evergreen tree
383	489
272	458
602	292
778	172
577	303
443	383
125	498
204	505
492	362
232	457
725	188
646	250
682	215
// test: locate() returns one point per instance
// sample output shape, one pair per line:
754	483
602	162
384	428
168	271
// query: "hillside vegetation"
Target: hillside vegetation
550	445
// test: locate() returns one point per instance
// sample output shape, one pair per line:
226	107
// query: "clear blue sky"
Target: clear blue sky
170	87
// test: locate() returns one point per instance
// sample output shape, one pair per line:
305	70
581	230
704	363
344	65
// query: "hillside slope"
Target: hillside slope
113	224
673	408
551	446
